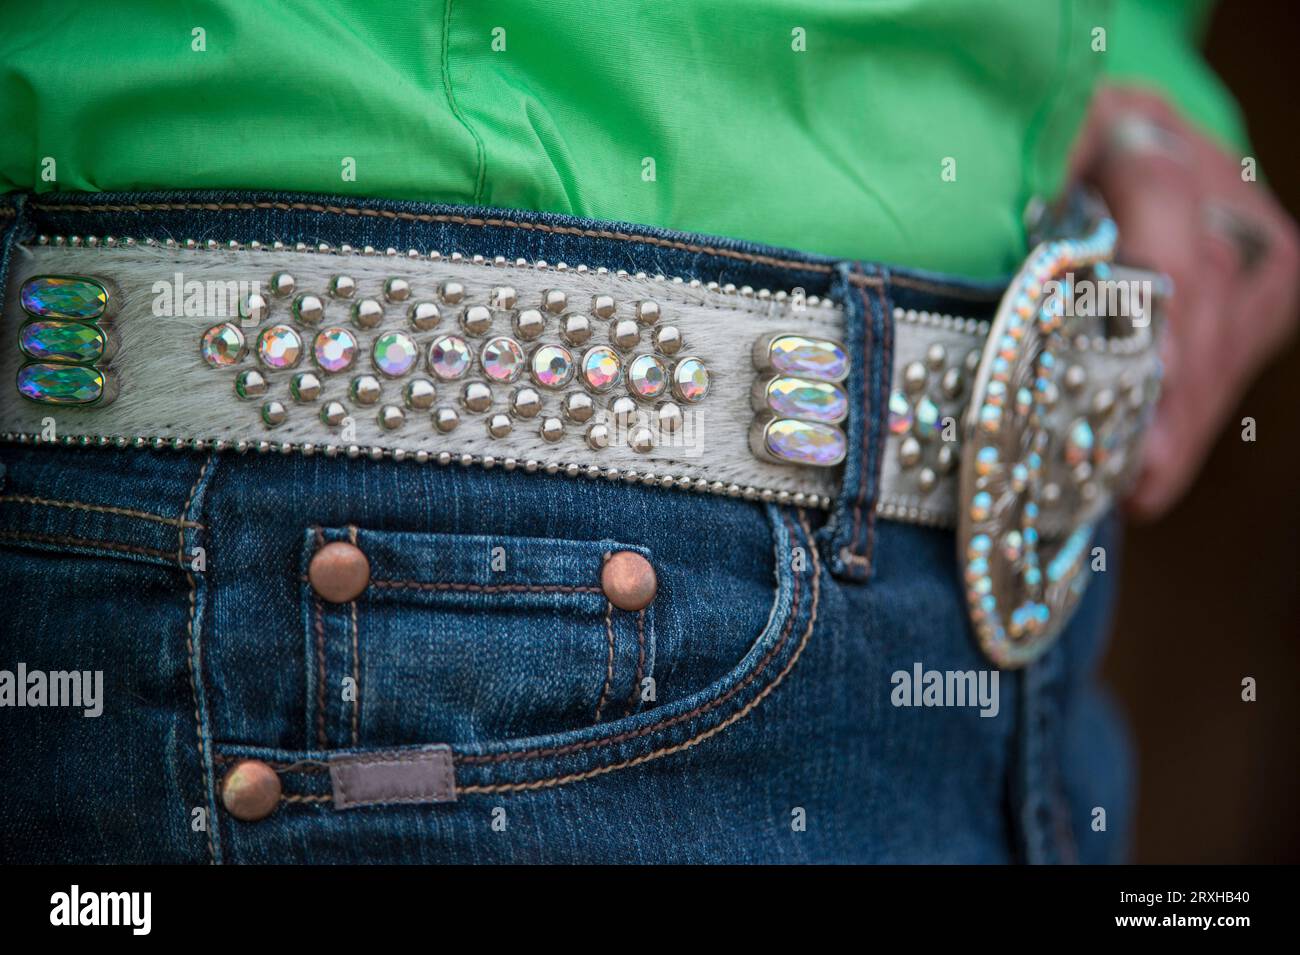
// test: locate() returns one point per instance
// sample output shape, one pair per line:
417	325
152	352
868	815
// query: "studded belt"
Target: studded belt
1015	431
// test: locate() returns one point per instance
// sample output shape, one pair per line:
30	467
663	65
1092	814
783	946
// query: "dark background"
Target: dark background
1209	593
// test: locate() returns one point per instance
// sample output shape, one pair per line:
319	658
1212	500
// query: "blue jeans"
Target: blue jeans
771	735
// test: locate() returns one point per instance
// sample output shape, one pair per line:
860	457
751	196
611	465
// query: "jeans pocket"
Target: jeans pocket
468	639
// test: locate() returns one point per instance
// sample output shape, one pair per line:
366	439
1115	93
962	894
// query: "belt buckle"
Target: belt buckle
1024	538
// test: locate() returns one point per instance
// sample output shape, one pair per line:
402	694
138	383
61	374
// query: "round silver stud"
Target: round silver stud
476	319
343	286
578	407
424	316
503	297
909	452
250	384
623	409
391	417
914	377
641	440
446	419
333	413
948	458
625	334
499	425
304	386
253	309
1103	402
952	383
451	292
273	413
668	339
365	389
972	360
476	397
1075	378
926	480
1051	493
529	323
602	306
552	429
308	309
647	312
397	289
936	356
598	436
419	394
526	403
367	313
575	329
554	301
670	418
282	284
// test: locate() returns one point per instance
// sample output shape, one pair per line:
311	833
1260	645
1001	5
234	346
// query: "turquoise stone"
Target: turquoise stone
61	384
805	442
808	357
1078	443
64	296
62	341
812	400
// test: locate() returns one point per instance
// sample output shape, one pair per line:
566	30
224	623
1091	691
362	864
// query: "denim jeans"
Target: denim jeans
771	734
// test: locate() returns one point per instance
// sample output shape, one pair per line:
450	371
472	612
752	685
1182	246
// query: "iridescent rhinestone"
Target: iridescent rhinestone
900	413
394	354
670	417
343	286
476	319
499	425
304	386
64	296
647	378
554	301
282	284
803	398
476	396
273	413
624	410
391	417
529	323
446	419
333	413
423	316
502	359
647	312
279	347
986	460
308	309
78	342
250	384
253	309
575	329
552	429
334	349
397	289
690	380
59	384
625	334
804	442
598	436
641	440
602	306
601	368
367	313
668	339
419	394
980	506
503	297
915	377
526	403
449	357
578	407
365	389
451	292
926	424
808	357
552	366
1078	442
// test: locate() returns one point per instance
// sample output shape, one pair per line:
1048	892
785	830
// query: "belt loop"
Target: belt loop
869	332
13	221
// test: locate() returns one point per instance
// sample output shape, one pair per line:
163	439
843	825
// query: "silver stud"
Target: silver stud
623	409
526	402
365	389
602	306
952	383
926	480
367	313
499	425
948	458
503	297
670	418
451	292
529	323
909	452
253	309
419	394
641	440
552	429
554	301
1075	378
575	329
578	407
446	419
625	334
282	284
333	413
476	319
308	309
476	396
914	377
1049	394
1103	402
668	339
424	316
343	286
936	356
273	413
972	360
397	289
391	417
250	384
304	386
598	436
1051	493
647	312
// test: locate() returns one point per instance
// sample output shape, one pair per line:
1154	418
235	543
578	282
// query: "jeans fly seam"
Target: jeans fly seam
320	658
640	662
356	656
609	663
195	664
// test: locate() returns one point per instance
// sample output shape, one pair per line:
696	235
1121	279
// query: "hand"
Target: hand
1234	302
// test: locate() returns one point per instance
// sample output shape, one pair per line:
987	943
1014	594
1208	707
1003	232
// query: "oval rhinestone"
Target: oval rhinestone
69	341
279	347
54	384
801	398
647	377
926	424
805	442
502	359
601	368
64	296
808	357
222	345
394	354
900	413
334	349
449	357
552	366
690	380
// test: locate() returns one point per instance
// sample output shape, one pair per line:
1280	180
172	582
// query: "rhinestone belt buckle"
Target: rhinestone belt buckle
1042	458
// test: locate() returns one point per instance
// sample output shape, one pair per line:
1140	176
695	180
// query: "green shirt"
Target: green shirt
906	131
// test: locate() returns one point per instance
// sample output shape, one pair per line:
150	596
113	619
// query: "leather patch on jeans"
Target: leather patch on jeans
377	779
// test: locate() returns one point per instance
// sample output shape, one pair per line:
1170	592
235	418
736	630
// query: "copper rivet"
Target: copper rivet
251	790
629	581
338	572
